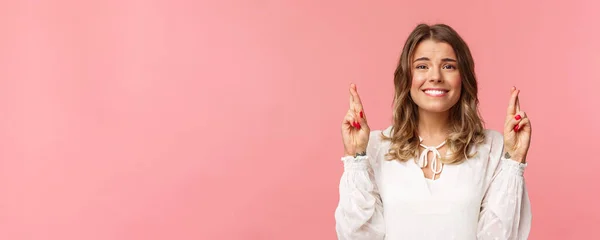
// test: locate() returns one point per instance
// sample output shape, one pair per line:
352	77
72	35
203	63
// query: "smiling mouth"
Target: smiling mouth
435	92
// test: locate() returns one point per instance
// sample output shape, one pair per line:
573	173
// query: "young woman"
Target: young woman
435	173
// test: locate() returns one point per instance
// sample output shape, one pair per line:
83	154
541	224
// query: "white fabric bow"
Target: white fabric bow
422	162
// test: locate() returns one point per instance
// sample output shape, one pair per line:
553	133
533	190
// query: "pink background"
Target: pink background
203	120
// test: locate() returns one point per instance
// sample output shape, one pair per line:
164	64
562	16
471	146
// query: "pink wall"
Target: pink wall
185	120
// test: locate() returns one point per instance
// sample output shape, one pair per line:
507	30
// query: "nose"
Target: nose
435	76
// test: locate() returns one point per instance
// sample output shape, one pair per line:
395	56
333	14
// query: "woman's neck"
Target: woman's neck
433	127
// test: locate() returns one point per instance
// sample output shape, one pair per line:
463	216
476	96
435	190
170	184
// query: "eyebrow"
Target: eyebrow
427	59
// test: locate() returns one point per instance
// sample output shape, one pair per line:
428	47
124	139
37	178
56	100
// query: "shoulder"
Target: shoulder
493	146
376	140
493	141
376	136
493	137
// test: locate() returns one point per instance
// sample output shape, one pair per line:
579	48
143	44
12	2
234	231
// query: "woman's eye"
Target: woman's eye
449	67
421	67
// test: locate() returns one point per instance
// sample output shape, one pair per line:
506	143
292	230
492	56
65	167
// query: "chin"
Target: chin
435	104
436	107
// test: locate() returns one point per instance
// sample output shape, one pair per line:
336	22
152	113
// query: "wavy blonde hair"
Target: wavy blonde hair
466	125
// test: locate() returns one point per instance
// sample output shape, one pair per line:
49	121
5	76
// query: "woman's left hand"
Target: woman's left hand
517	130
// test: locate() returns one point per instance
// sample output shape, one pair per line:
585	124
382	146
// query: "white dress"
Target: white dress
482	198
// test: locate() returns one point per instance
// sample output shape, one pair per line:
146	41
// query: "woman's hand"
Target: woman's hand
517	130
355	130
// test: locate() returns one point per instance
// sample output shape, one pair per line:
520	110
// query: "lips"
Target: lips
435	92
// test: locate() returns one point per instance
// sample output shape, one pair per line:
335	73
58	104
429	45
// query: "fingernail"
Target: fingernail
361	114
516	128
355	125
358	125
518	117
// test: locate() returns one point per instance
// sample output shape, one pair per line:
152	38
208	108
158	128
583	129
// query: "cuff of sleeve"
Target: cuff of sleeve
513	166
360	162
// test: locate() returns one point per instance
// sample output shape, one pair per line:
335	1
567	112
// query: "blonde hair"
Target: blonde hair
466	125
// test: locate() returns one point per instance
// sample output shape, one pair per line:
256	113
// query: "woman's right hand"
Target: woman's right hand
355	130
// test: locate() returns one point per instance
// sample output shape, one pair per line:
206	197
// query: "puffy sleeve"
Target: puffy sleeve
505	210
359	214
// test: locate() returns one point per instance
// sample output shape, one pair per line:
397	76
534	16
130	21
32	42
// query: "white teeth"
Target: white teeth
434	92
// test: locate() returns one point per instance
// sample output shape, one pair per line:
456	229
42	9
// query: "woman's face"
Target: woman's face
436	82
